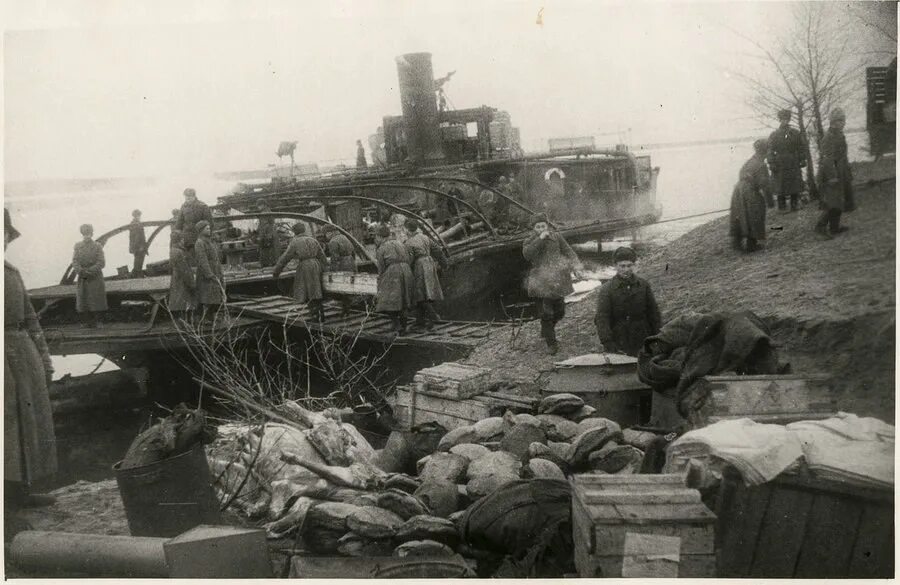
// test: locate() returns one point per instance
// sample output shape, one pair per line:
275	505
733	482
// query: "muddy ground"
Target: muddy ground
830	304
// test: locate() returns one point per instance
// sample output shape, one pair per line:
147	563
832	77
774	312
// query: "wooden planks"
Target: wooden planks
453	380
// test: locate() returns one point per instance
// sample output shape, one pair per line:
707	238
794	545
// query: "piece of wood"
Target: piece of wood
638	480
644	497
695	538
786	515
741	528
832	526
733	396
873	552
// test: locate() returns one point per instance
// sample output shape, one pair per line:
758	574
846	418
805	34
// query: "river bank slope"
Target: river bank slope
829	303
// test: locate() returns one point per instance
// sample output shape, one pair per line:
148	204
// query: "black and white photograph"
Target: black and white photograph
449	290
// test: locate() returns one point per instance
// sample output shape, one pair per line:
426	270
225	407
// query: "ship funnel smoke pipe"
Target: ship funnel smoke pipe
419	105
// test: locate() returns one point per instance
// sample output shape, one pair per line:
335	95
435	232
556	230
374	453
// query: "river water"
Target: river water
692	180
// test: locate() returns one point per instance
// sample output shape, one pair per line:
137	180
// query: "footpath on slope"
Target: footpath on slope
829	303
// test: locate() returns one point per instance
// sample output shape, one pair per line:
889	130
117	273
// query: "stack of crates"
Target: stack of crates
641	526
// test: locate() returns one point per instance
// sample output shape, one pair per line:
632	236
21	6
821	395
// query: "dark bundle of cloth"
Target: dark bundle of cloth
696	345
173	435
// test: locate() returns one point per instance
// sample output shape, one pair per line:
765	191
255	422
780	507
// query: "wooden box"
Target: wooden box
412	407
452	380
641	526
351	283
606	381
218	552
767	399
799	526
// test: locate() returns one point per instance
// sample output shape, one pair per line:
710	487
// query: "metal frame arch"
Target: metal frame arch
479	184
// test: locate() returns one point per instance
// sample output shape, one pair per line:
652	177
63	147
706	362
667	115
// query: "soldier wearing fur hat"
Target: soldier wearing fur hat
549	279
626	308
787	158
835	177
210	284
425	255
310	264
29	444
749	199
88	262
395	278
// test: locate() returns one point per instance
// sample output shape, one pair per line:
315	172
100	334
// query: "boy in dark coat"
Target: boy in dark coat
787	158
88	263
394	278
137	243
835	177
749	199
549	280
425	254
626	308
310	264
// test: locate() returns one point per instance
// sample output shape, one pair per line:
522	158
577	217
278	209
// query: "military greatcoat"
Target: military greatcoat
786	157
182	288
626	314
342	257
749	200
310	263
394	277
425	254
210	281
88	262
835	175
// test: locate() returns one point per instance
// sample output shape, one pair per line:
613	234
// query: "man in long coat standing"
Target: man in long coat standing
787	158
192	211
627	312
310	264
29	443
267	238
137	243
749	200
182	288
341	258
210	282
549	280
835	176
88	262
394	278
425	255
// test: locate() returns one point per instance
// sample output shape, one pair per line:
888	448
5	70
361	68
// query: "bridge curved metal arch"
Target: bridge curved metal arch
157	231
433	232
479	184
69	278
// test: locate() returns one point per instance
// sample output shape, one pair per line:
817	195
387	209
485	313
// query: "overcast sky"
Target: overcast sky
153	89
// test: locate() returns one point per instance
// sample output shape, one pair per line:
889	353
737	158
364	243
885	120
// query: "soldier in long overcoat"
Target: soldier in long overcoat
627	312
310	264
137	243
394	278
182	287
787	158
267	238
549	279
425	255
339	250
751	195
88	262
210	283
193	211
835	177
29	443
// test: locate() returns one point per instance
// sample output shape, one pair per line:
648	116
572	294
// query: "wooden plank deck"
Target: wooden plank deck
371	326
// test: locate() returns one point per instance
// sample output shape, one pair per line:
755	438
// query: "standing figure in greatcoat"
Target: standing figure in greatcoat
341	258
137	243
425	255
394	278
751	195
267	238
192	211
627	312
549	279
29	443
835	177
182	287
787	158
88	263
210	282
310	264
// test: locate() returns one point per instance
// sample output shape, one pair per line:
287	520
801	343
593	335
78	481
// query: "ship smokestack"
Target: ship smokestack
419	104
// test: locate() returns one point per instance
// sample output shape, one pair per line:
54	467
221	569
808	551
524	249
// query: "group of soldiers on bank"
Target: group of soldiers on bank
786	153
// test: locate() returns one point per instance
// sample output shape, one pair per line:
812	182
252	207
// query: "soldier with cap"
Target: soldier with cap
137	243
341	258
192	211
88	262
210	284
549	279
394	278
266	238
749	200
425	254
835	177
29	443
626	308
182	286
308	275
787	156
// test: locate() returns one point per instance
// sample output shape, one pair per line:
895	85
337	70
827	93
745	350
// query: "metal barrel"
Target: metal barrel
53	553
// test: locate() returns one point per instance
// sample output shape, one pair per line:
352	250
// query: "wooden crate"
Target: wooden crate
351	283
452	380
799	526
641	526
767	399
412	407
